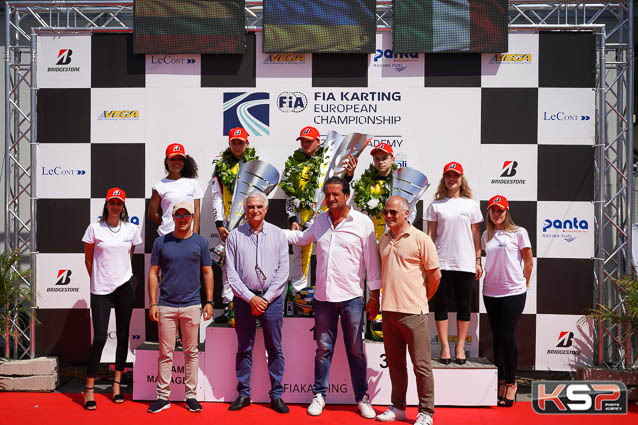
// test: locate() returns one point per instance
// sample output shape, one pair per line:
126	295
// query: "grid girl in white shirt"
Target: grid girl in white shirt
506	246
454	225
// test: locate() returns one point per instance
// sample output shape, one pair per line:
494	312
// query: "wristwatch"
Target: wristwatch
210	302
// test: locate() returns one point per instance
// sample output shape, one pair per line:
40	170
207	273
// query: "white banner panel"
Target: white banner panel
516	68
64	62
281	69
173	70
509	170
563	342
565	229
530	299
566	116
389	69
136	214
62	281
63	170
118	115
137	335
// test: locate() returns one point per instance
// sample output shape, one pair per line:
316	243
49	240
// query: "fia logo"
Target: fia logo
292	102
64	57
565	339
64	277
509	168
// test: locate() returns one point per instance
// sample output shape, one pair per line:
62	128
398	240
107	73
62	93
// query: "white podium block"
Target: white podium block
145	374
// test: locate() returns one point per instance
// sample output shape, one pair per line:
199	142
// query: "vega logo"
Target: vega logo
285	59
120	115
64	57
292	102
508	58
250	111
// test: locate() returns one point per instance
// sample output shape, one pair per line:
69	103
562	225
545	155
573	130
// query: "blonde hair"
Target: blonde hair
441	191
508	224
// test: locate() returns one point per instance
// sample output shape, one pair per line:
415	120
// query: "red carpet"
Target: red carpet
57	408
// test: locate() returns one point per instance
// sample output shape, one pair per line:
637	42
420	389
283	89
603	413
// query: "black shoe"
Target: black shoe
445	361
193	405
279	406
158	405
90	404
239	403
460	361
118	398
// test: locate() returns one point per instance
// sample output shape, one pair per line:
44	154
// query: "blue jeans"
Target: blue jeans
326	319
245	324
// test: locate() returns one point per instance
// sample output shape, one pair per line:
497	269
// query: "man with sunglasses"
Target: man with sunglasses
257	270
410	277
180	256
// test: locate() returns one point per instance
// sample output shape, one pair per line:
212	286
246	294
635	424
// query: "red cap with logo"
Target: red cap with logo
117	193
384	147
237	133
500	201
309	133
175	149
453	166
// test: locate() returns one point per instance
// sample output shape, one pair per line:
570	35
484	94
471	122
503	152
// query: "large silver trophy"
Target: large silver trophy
252	176
337	148
409	183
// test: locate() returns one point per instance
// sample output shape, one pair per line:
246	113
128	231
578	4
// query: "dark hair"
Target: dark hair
123	214
190	167
345	187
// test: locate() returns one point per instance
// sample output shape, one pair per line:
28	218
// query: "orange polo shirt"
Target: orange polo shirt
404	264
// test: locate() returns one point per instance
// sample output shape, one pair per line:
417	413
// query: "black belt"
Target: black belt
257	292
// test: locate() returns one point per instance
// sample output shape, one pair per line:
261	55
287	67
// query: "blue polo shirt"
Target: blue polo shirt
180	261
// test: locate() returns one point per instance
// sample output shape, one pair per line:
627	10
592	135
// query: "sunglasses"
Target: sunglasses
391	212
185	216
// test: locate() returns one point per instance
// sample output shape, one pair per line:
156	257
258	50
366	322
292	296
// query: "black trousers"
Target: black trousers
122	299
503	314
460	283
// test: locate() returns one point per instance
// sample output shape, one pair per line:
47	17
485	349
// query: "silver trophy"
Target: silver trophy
338	147
409	183
252	176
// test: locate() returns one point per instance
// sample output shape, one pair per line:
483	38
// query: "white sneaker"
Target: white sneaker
423	419
365	408
392	414
316	405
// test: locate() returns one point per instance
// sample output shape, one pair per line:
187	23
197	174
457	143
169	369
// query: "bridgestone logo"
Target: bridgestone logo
63	289
508	181
63	69
574	352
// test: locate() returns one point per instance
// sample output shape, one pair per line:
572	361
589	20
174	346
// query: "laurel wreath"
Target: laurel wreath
291	179
364	198
226	164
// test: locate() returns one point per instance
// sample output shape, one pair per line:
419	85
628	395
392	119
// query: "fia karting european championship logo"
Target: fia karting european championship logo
250	111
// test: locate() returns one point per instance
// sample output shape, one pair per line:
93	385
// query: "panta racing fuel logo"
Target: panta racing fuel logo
62	171
564	229
506	58
508	171
398	61
62	281
247	110
292	101
581	397
64	59
564	116
285	59
120	115
565	342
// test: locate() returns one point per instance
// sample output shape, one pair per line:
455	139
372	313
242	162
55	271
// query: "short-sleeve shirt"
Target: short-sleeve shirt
404	264
454	242
503	263
172	191
180	261
111	266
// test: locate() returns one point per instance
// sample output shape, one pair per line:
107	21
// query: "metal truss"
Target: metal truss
612	22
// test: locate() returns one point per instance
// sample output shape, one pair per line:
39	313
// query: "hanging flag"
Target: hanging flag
477	26
189	26
319	26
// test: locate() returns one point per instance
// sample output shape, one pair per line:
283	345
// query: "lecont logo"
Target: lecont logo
250	111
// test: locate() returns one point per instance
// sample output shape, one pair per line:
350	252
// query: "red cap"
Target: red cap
383	147
500	201
117	193
237	133
175	149
309	133
453	166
